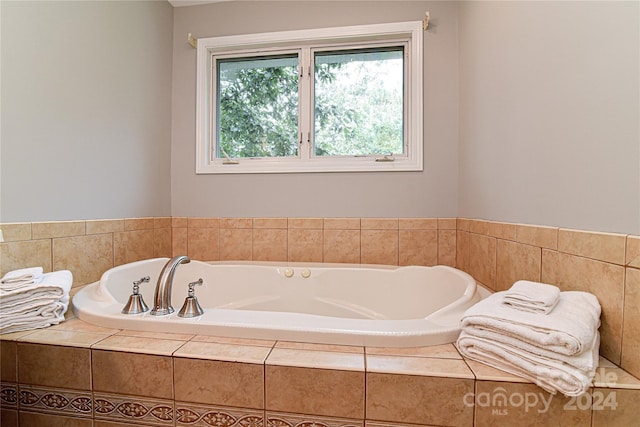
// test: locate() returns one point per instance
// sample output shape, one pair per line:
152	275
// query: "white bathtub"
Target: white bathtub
320	303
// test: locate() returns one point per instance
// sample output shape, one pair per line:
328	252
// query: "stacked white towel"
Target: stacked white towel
558	351
17	279
532	296
38	304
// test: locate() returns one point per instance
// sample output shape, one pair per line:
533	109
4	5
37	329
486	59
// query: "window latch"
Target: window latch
386	158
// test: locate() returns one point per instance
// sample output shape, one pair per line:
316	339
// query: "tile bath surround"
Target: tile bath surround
372	381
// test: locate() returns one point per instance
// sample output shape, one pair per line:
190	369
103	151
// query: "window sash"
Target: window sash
306	43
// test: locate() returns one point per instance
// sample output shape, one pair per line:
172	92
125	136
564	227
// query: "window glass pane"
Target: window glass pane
359	102
257	107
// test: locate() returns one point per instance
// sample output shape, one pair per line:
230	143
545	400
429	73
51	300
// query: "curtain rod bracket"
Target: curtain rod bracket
192	41
425	21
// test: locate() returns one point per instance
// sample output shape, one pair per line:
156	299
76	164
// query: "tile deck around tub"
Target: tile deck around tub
278	381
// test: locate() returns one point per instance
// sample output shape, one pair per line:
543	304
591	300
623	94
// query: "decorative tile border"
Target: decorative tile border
130	409
279	419
9	395
188	414
60	402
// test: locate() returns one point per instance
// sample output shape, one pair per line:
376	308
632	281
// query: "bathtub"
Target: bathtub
320	303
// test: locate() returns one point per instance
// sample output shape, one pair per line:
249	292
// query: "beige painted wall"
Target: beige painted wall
86	109
549	115
429	193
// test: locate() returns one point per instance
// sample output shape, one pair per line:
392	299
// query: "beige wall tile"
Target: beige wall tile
519	404
418	399
631	326
139	344
444	351
447	223
633	251
379	247
87	257
102	226
379	223
601	246
54	366
462	224
179	241
423	366
179	221
315	223
341	246
305	245
625	413
502	230
204	222
236	244
13	232
342	223
544	237
269	222
269	244
36	419
162	222
203	244
67	338
215	382
482	259
447	247
516	261
604	280
162	244
9	417
462	250
418	247
305	358
236	223
479	226
279	419
131	224
224	352
418	223
315	391
8	361
132	246
132	374
46	230
31	253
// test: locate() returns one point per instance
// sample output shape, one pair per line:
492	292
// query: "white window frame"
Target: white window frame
410	33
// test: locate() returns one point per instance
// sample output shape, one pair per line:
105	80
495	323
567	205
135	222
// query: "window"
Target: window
328	100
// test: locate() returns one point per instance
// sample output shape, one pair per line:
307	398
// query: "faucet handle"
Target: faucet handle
136	304
137	283
191	285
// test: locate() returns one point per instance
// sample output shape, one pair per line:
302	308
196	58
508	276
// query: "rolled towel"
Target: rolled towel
54	287
568	329
551	375
40	317
18	279
533	297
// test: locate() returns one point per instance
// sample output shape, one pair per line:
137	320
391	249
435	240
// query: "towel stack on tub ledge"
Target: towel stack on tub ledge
537	332
31	299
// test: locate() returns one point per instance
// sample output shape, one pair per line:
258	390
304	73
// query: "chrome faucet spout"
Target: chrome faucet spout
162	297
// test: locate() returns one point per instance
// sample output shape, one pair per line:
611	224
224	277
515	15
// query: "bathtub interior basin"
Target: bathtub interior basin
321	303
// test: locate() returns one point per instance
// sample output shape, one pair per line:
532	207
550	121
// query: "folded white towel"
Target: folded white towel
54	287
549	374
568	329
533	297
583	361
40	317
18	279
